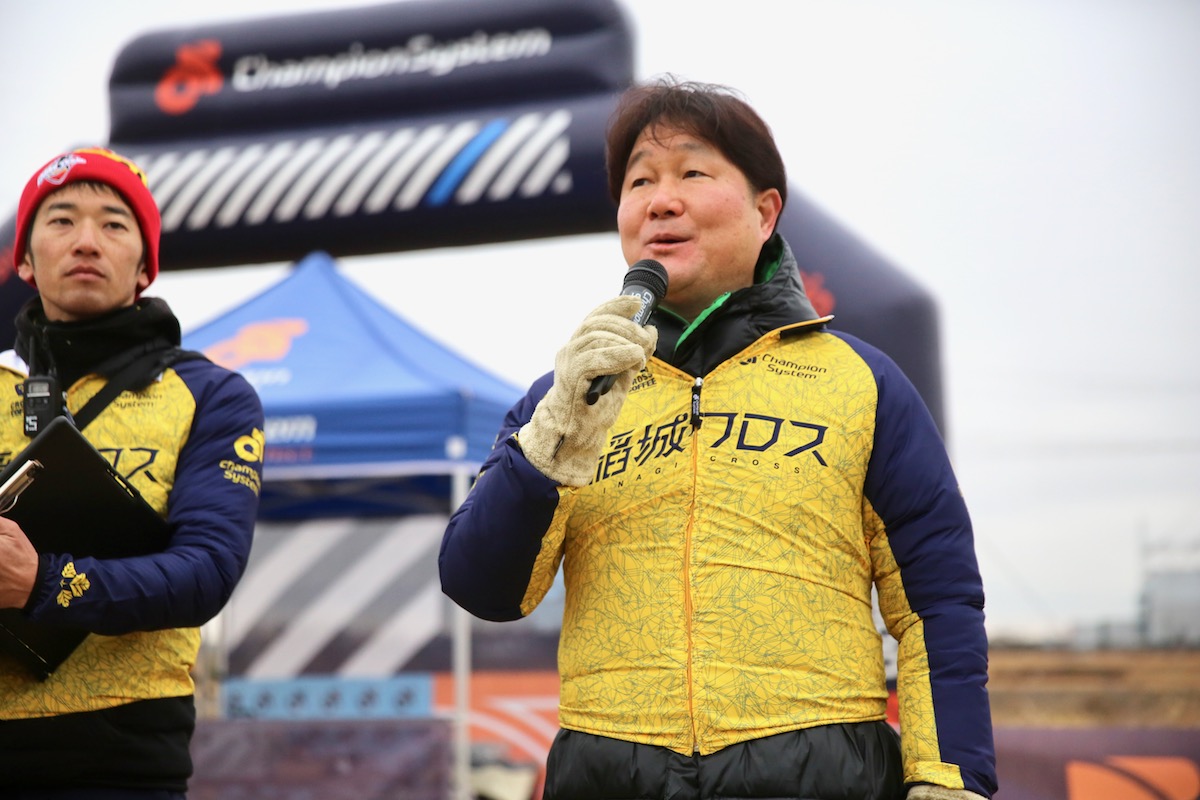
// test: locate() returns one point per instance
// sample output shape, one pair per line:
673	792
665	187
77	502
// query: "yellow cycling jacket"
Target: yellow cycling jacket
189	439
719	568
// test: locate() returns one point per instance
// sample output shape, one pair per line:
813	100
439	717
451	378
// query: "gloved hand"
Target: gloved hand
927	791
565	435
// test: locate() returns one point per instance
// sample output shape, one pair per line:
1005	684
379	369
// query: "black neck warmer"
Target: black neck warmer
102	345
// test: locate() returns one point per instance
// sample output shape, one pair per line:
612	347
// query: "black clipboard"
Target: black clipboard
67	498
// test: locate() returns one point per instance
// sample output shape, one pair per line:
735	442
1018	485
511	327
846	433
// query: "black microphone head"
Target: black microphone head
648	273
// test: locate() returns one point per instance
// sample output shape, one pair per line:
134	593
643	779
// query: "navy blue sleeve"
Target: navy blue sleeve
912	487
494	537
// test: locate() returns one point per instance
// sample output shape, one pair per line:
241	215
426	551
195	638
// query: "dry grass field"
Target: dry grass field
1094	688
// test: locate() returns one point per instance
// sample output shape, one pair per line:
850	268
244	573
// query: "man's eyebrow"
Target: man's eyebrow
67	205
641	152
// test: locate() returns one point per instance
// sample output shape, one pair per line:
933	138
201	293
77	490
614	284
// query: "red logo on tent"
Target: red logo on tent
1134	778
195	74
259	341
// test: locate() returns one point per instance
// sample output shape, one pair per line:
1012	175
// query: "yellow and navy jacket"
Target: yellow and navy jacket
191	443
764	475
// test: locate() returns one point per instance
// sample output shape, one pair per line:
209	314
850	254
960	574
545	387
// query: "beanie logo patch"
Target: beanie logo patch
57	171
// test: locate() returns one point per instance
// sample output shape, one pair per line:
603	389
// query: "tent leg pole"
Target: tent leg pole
461	663
462	702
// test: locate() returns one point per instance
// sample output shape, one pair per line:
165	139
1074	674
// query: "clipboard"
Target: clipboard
67	498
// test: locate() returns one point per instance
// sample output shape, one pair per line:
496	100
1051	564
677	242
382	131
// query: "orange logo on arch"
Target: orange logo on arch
822	298
194	74
270	340
1134	778
7	270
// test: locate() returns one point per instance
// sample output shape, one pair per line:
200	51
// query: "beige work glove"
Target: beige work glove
565	435
926	791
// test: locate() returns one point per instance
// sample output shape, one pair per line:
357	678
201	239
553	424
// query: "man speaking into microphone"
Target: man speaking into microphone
723	487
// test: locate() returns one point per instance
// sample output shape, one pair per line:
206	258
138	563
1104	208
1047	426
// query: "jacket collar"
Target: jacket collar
100	345
776	300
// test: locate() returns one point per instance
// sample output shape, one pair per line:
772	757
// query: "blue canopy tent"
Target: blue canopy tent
365	414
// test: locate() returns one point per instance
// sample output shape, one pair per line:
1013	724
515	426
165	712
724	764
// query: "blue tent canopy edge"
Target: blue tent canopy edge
355	397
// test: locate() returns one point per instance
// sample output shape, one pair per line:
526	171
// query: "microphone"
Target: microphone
647	279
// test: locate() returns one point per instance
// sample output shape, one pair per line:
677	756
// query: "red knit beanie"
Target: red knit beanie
103	166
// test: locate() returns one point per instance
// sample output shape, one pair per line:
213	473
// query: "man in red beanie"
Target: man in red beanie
115	719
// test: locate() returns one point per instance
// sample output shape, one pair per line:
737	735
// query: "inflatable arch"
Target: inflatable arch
417	125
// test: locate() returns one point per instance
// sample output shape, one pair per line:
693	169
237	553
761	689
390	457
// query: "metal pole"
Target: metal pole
461	645
462	704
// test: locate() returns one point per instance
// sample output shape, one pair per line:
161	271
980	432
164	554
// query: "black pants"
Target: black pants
137	747
833	762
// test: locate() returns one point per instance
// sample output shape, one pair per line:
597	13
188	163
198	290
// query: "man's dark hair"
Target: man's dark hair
712	113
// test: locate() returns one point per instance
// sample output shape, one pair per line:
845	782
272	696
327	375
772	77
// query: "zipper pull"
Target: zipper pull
696	402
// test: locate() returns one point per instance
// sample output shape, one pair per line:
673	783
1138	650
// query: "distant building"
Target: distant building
1171	596
1108	635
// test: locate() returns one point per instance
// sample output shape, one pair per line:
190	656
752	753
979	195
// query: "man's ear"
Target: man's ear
25	269
143	277
769	204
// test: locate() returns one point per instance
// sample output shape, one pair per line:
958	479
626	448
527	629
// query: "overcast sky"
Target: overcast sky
1035	164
